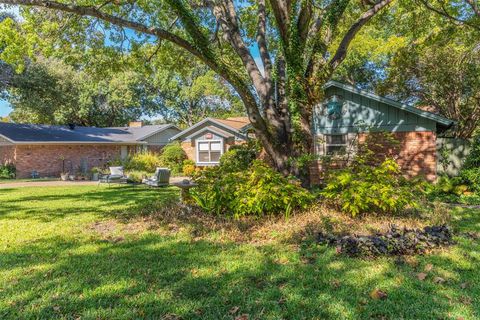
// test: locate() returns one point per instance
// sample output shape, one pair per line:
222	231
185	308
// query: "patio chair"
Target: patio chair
161	178
116	175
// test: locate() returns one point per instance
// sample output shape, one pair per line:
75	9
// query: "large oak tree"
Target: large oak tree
300	42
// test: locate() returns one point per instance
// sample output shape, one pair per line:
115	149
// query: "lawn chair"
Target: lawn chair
116	175
161	178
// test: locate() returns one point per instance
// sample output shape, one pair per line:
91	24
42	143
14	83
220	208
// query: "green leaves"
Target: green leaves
257	190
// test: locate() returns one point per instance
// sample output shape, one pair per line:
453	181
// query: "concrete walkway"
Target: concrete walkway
59	183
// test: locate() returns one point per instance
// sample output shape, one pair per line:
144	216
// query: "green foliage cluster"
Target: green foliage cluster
188	168
240	157
172	157
7	171
143	161
452	190
137	175
259	190
372	181
363	188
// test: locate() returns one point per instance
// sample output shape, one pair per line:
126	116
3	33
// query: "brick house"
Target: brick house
42	148
348	115
207	140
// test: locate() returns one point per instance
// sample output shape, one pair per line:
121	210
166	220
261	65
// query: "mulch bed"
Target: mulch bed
394	242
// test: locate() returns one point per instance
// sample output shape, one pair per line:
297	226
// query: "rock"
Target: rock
393	242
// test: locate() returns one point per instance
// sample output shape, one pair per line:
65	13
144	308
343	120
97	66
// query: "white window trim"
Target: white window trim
197	142
326	144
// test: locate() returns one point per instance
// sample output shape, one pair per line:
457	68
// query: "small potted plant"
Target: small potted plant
63	174
95	173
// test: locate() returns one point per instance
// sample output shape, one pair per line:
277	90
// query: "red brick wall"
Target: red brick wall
416	155
7	154
46	159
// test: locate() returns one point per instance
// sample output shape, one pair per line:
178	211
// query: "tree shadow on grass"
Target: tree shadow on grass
150	276
60	202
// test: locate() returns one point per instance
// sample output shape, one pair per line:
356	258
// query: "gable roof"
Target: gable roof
422	113
238	123
143	132
234	125
37	133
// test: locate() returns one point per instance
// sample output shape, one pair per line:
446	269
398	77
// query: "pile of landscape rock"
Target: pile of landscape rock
393	242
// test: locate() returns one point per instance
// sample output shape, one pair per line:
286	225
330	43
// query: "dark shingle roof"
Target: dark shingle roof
35	133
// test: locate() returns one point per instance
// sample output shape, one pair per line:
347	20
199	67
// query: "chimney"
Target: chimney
135	124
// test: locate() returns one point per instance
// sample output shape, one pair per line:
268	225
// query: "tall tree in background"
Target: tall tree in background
185	90
301	44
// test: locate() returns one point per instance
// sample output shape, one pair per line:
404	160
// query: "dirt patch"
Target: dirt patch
173	218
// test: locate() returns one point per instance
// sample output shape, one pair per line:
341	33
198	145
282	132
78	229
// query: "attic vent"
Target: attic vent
71	126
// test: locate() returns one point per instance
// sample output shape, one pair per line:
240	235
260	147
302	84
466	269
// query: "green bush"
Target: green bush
172	157
471	177
240	157
143	161
7	171
188	168
473	159
258	190
137	176
365	188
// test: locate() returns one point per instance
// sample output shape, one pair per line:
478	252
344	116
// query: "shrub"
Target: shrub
364	188
471	177
172	157
473	158
143	161
189	168
8	171
258	190
240	157
137	176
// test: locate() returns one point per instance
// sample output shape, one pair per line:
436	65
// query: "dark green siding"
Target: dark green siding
363	113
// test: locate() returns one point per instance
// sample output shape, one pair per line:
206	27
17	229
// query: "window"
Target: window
335	144
209	151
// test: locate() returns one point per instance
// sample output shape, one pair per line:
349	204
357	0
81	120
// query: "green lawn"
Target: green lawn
58	261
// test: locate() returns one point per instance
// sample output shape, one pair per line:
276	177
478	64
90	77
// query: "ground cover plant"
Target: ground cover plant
93	252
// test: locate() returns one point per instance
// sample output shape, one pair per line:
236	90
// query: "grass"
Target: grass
3	180
66	253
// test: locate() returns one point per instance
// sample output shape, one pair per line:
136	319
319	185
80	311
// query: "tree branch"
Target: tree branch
94	12
447	15
261	40
342	49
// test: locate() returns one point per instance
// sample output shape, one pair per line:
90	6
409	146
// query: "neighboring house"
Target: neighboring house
207	140
41	148
349	114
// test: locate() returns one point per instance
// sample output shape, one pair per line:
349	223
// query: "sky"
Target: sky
4	108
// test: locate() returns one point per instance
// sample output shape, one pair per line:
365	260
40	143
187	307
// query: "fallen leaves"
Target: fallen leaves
242	317
378	294
438	280
421	276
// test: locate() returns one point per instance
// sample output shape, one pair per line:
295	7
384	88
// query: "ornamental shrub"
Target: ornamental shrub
473	158
258	190
471	177
364	188
172	157
188	167
8	171
143	161
240	157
